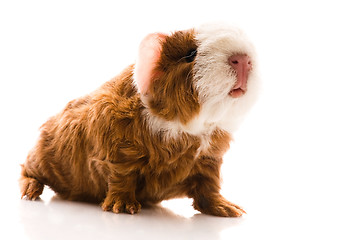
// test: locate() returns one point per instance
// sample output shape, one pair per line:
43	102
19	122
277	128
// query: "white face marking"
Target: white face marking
214	77
213	80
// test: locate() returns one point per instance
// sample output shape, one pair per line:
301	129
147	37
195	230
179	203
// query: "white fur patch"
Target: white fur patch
214	77
173	129
213	80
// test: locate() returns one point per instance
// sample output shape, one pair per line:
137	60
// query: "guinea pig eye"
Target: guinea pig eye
191	55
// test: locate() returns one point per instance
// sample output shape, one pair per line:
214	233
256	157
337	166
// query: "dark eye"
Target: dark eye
191	55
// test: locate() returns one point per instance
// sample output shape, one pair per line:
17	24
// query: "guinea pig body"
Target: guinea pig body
157	131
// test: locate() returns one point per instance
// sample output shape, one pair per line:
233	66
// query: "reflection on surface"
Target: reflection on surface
69	220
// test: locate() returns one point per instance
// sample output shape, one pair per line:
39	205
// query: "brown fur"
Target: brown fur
100	148
173	94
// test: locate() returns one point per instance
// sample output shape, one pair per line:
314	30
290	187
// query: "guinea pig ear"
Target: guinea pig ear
148	56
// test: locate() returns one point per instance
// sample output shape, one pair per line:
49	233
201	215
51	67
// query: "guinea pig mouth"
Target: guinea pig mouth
240	87
237	92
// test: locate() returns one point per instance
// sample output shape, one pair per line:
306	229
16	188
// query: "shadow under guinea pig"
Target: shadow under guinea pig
60	219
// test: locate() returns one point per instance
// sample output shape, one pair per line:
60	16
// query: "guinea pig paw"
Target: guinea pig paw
229	210
220	207
118	205
31	189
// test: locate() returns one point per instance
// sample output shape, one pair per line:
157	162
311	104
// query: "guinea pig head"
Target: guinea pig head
197	77
164	75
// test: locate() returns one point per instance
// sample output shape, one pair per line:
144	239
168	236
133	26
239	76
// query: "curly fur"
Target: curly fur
108	147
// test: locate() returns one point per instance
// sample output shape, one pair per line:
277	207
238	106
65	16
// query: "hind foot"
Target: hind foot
30	188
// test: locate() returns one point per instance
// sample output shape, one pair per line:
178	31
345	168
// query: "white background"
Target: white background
295	162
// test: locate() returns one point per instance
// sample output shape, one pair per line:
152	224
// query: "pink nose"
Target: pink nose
242	64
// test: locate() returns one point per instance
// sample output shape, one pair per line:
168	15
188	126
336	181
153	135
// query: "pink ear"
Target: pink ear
148	56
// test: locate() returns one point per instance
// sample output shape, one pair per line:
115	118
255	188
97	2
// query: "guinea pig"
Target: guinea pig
157	131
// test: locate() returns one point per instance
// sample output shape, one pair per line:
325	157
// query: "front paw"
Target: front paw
217	206
121	205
